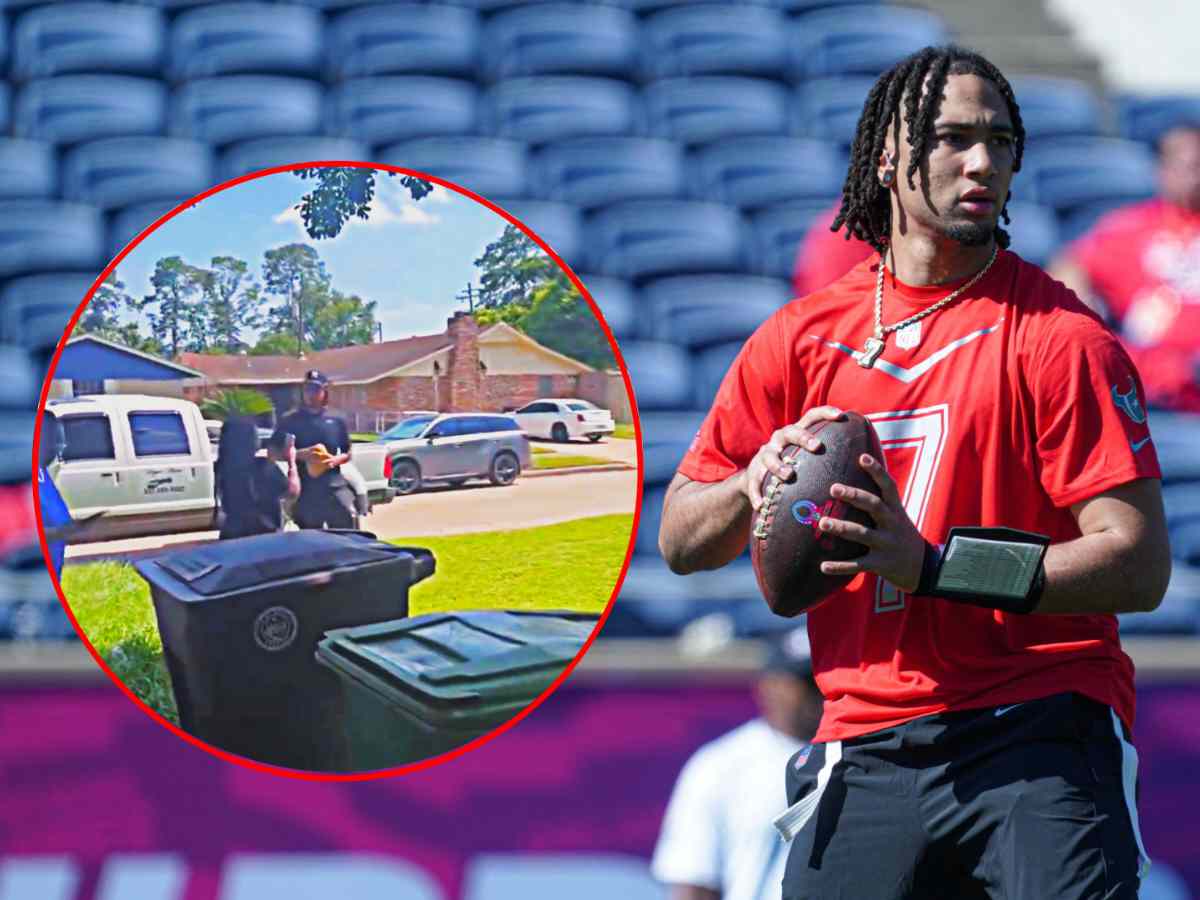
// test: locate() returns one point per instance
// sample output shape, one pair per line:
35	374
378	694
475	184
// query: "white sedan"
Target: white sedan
564	419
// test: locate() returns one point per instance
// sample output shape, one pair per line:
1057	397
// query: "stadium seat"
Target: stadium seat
73	108
1175	438
41	236
264	153
645	8
666	437
617	303
1075	222
556	38
829	108
714	39
404	38
1180	609
116	172
1034	232
128	223
712	107
1181	502
1185	544
558	107
87	37
25	302
646	238
709	368
19	384
5	107
671	601
387	109
845	41
492	167
752	172
591	172
234	38
648	523
1057	107
1147	118
660	373
27	169
777	232
1068	173
558	224
699	310
243	107
795	7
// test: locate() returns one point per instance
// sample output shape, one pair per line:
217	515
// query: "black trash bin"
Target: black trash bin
240	620
415	688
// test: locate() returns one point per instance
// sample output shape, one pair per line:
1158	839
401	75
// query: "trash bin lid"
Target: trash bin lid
431	664
224	567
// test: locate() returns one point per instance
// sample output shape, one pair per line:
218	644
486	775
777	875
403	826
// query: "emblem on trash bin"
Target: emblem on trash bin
276	628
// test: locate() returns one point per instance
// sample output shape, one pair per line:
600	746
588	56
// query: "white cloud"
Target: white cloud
382	212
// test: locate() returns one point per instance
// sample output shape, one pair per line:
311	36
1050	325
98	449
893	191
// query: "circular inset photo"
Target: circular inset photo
338	470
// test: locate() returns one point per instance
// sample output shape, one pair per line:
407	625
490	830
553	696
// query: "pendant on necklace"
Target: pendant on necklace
909	336
869	353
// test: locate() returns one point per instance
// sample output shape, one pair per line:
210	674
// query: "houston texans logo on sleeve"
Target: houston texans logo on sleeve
1129	404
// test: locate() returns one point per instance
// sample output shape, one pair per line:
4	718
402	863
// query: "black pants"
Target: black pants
1026	802
325	508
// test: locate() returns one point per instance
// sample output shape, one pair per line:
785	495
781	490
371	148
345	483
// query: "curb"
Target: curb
576	470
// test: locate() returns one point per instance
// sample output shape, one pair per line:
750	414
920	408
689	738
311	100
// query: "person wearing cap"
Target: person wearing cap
717	841
323	444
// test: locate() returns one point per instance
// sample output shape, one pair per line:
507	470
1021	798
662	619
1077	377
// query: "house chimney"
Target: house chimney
466	383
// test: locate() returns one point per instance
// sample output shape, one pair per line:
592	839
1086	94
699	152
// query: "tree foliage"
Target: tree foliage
174	308
344	191
233	402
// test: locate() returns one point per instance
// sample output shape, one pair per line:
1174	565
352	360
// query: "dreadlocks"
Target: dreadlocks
866	210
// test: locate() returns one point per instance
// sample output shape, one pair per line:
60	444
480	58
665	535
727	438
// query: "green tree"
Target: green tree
275	344
102	316
295	273
176	316
340	321
512	266
341	192
233	303
233	402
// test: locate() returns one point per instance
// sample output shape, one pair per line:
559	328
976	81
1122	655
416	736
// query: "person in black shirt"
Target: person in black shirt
326	499
249	487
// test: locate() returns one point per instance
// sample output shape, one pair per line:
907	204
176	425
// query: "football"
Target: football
785	546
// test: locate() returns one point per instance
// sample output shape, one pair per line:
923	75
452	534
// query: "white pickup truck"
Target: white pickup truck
147	464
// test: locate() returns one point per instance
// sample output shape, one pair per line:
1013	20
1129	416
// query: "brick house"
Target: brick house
465	368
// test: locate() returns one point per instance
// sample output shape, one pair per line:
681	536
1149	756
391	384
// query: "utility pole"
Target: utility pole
469	295
379	331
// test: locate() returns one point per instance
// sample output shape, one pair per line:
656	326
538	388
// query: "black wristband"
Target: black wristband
929	569
962	582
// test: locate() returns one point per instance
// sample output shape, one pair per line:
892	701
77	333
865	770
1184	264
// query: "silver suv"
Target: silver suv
454	447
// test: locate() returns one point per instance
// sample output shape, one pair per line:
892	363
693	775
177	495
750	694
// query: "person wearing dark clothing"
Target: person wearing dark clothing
249	487
326	499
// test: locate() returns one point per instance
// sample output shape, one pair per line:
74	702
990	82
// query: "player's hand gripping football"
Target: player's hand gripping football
895	549
768	457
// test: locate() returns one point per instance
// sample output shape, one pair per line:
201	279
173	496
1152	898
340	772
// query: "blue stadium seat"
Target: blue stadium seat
404	38
27	302
660	373
116	172
1068	173
557	107
753	172
41	236
645	8
829	108
777	233
795	7
666	437
5	107
647	238
387	109
665	602
1180	609
845	41
714	39
1185	544
1175	439
19	384
709	368
699	310
1181	502
126	224
265	153
558	224
1147	118
553	38
646	541
491	167
1057	107
712	107
27	169
617	303
1034	232
233	38
87	37
74	108
591	172
242	107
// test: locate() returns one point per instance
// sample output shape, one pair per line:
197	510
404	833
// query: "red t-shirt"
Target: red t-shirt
1011	405
1144	261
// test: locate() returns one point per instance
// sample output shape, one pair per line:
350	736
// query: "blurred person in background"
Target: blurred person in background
825	255
1140	267
250	488
56	517
717	842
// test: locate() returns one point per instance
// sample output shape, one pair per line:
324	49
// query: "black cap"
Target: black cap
316	376
790	653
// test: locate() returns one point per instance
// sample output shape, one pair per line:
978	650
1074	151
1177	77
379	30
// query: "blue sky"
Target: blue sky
409	257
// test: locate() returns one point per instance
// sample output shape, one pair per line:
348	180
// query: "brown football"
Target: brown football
785	546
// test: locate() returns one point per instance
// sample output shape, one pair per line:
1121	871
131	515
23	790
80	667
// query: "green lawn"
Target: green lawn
554	460
572	565
624	431
363	437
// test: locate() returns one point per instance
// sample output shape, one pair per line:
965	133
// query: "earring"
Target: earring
887	179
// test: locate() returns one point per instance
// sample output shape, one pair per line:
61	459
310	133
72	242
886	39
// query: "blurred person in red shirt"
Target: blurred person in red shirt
1140	266
825	255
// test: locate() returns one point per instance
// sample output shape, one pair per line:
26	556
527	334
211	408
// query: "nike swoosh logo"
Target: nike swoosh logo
1001	710
1138	445
908	376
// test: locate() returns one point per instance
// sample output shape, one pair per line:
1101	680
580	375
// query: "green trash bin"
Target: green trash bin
414	688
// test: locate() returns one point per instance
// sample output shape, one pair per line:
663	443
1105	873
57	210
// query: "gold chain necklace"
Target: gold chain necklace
874	346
